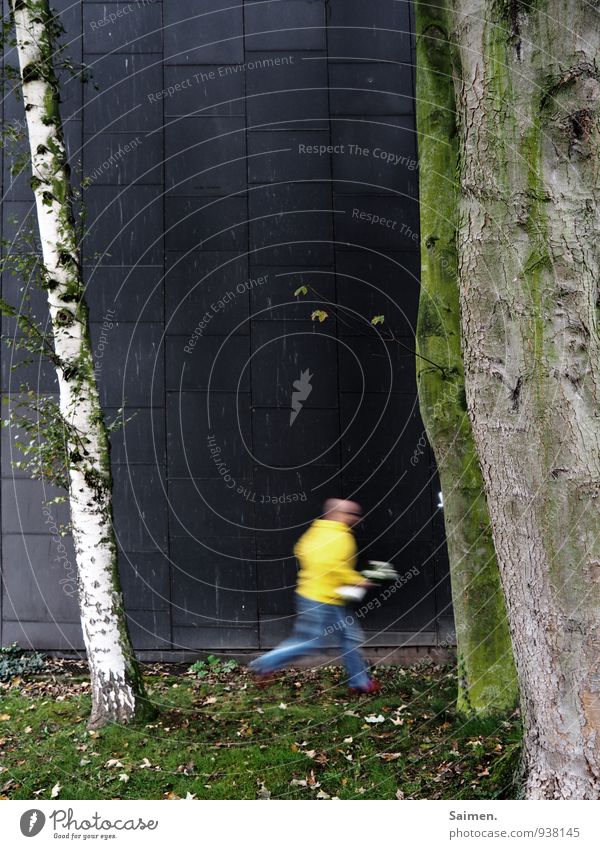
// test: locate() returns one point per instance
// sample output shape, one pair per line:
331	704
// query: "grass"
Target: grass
219	737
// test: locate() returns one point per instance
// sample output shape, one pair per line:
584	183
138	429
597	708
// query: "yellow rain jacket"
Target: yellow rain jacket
327	555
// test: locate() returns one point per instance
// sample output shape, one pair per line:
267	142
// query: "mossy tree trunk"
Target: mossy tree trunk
486	673
528	100
117	690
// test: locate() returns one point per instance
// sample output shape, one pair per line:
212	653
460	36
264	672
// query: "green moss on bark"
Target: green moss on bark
486	674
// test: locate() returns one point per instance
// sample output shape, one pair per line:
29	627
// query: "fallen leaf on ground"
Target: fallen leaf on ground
263	792
55	790
372	719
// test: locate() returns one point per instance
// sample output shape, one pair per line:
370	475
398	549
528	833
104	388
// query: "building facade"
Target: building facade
251	181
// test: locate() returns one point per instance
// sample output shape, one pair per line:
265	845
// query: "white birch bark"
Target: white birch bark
117	690
528	98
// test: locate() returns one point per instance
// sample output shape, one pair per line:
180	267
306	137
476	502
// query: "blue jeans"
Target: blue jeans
314	621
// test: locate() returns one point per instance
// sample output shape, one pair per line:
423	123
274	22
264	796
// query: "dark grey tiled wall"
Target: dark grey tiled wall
193	137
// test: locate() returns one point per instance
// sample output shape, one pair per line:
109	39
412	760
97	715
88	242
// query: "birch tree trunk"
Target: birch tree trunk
117	690
486	673
529	104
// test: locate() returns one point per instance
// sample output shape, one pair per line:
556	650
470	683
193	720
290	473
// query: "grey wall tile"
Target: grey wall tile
204	90
129	363
125	293
122	27
375	156
291	224
370	283
141	437
273	295
123	97
213	363
123	226
367	88
287	90
149	629
281	351
193	418
145	580
122	159
44	636
205	155
39	578
215	638
206	224
276	156
285	25
209	290
214	583
203	508
23	505
369	31
376	223
140	508
203	32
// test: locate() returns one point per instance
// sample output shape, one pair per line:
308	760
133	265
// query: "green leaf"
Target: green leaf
377	319
321	315
301	290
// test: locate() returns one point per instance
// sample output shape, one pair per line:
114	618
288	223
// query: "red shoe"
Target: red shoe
262	680
372	687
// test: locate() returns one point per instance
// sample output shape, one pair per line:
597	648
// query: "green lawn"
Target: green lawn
219	737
